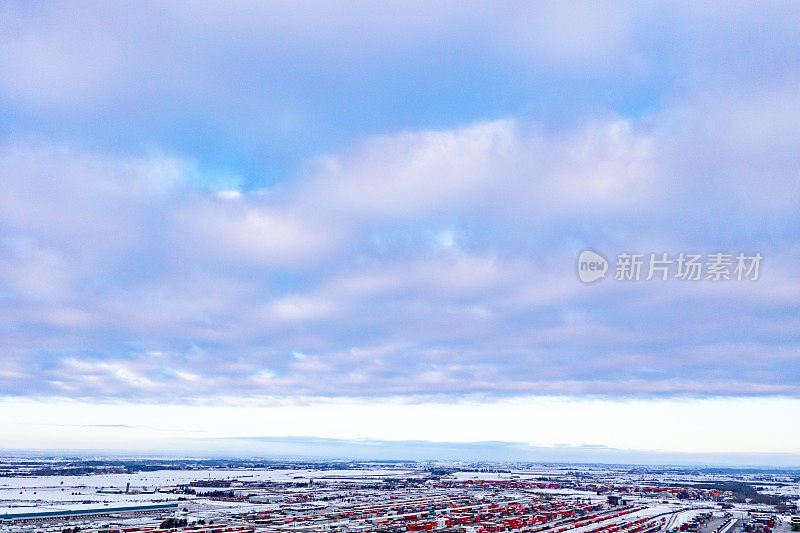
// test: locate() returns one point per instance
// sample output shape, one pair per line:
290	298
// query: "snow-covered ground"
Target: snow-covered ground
45	490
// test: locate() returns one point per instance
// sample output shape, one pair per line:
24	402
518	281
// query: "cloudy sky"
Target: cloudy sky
361	221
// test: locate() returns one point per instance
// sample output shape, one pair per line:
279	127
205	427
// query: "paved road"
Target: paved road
712	525
734	527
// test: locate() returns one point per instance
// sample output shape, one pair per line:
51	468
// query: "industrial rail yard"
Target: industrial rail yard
393	498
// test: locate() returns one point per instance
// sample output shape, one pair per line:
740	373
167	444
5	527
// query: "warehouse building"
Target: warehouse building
11	515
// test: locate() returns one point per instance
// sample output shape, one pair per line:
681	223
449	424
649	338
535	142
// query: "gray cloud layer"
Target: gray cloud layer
425	261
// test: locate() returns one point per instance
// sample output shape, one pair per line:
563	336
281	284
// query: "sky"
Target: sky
257	227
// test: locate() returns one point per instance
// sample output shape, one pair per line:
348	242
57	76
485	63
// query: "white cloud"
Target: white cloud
300	308
249	232
494	167
574	36
446	256
411	173
137	256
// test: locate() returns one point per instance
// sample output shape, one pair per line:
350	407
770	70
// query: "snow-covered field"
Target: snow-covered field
43	490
